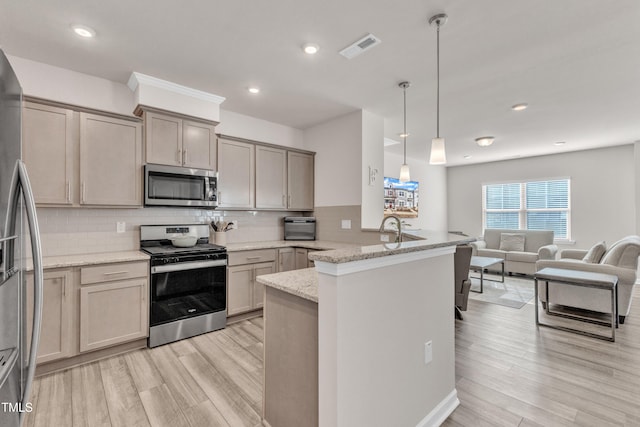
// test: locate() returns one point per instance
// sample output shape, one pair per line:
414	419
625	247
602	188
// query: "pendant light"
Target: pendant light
405	176
438	155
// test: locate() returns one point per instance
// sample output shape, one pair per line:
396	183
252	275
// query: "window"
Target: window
534	205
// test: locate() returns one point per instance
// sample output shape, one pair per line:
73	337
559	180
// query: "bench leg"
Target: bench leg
621	319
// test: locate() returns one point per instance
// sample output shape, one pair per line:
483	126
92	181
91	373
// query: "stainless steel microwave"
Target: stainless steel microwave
180	186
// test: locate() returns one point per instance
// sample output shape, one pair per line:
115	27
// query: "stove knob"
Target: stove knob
165	261
174	259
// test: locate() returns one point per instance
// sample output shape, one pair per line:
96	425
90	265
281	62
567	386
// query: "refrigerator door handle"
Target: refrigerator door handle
19	182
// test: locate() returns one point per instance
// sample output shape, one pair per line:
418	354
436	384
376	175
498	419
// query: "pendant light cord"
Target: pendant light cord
404	89
438	80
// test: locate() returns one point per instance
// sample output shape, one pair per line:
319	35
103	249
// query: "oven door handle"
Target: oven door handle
181	266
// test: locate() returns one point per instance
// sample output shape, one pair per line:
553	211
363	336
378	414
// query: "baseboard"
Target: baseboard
441	412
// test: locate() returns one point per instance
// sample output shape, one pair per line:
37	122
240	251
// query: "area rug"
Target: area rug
515	292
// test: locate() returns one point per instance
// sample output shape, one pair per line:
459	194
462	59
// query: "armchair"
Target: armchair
620	260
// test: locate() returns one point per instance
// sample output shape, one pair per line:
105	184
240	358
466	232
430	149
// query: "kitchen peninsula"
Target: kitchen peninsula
346	343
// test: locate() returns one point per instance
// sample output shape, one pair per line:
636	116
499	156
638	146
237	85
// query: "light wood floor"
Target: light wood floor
508	373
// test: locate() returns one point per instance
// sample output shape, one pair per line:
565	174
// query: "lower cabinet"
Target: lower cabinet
55	333
244	293
113	313
286	259
113	304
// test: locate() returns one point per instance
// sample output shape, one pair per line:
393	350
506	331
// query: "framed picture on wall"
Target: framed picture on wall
400	198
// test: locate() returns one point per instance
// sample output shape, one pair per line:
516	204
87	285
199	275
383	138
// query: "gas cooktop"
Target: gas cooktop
169	249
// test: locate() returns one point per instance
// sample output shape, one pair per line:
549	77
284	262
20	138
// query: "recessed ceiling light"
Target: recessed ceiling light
467	156
311	48
519	107
84	31
559	143
485	141
253	89
403	135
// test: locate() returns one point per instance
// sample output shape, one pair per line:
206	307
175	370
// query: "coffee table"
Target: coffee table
480	263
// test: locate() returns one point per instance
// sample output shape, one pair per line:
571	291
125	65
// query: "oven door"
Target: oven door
187	289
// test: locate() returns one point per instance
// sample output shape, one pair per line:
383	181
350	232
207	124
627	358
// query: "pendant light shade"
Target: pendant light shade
405	175
438	154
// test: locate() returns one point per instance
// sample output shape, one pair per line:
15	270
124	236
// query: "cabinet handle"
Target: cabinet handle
69	191
185	159
115	272
178	154
289	204
253	257
283	200
64	289
82	191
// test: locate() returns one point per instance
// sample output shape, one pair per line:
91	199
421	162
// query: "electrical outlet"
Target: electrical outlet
120	227
384	237
346	224
428	352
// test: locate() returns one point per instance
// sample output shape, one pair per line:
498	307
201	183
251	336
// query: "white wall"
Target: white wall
338	159
242	126
432	208
602	191
63	85
372	159
70	87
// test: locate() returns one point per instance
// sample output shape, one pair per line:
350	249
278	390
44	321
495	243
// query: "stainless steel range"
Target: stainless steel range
188	284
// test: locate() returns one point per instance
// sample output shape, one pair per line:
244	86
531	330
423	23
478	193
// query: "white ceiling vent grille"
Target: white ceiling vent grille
355	49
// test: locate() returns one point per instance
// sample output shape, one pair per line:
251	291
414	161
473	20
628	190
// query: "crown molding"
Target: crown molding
138	79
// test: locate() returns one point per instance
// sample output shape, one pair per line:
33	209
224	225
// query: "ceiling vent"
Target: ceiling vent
365	43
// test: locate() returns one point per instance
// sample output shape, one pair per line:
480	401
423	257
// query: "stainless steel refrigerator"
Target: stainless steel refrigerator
18	233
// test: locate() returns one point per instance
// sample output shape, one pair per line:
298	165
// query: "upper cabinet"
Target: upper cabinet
77	158
48	134
255	175
110	161
177	141
300	181
236	174
271	178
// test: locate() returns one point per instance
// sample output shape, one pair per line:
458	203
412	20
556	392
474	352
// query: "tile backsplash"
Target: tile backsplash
69	231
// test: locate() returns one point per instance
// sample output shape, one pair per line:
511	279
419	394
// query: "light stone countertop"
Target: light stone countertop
89	259
430	240
320	245
302	283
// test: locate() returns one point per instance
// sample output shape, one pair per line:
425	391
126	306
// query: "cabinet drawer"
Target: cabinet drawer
109	272
251	257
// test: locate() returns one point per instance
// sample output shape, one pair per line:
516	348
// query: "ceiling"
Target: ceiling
576	63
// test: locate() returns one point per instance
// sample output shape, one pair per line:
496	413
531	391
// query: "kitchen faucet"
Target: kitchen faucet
398	224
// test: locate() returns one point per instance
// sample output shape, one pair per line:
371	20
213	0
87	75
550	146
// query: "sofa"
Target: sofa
620	259
518	258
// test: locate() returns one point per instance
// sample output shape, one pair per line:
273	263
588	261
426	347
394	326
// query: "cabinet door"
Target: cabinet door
236	168
55	334
113	313
286	259
271	178
198	145
302	260
300	181
163	137
239	288
258	288
47	135
110	161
